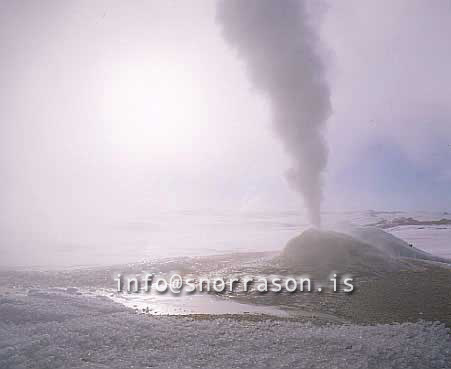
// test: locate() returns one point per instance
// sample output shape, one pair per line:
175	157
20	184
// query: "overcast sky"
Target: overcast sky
117	109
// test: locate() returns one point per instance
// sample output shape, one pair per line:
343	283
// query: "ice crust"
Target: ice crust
54	330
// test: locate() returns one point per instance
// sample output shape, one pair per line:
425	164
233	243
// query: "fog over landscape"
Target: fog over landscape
112	113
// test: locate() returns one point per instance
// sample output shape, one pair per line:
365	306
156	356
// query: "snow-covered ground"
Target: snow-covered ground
54	330
433	239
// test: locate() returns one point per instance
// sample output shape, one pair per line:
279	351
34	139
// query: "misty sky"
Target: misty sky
117	109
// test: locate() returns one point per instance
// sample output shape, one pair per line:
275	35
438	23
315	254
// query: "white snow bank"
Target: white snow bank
93	333
432	239
403	221
391	245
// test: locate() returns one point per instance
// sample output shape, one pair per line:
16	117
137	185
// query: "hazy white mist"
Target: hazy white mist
112	111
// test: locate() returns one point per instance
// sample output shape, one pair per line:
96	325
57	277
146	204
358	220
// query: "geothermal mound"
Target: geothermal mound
317	250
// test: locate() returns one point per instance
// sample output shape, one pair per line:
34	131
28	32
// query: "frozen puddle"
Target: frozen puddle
168	304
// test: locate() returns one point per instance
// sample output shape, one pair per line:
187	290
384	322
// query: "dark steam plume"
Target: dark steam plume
280	47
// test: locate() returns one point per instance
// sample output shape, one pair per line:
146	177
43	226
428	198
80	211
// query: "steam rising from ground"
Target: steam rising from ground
280	48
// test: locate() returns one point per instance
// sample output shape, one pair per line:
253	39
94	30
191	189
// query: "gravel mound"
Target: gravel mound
333	251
